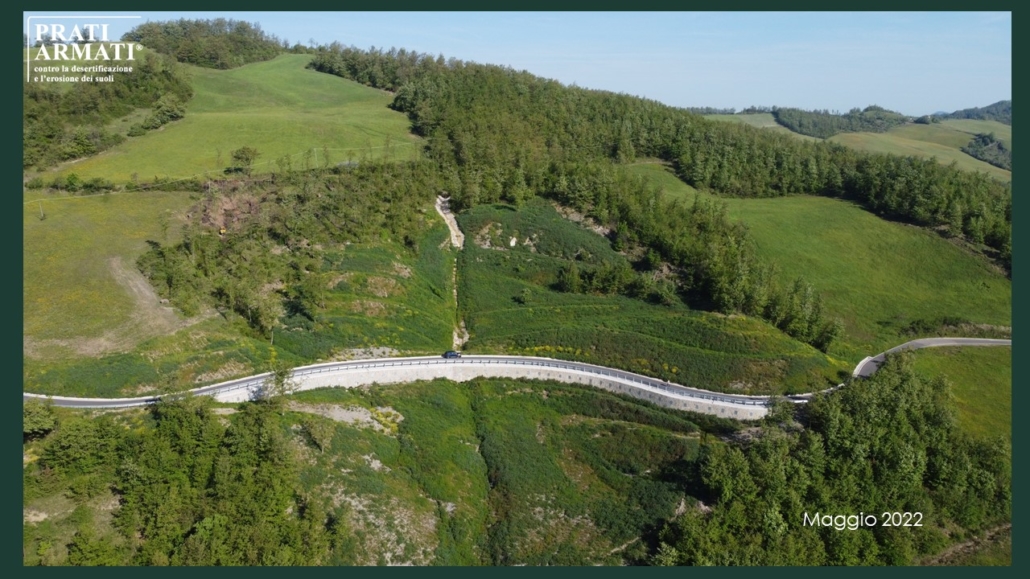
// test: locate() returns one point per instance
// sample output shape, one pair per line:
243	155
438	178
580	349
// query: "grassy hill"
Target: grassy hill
981	381
943	141
278	107
760	120
877	275
95	327
509	298
972	127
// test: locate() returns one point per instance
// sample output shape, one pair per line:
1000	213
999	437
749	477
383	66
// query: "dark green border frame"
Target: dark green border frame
11	316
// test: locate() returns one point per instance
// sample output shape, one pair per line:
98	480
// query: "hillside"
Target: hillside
496	472
943	141
760	120
277	107
823	124
1000	111
597	226
513	300
878	276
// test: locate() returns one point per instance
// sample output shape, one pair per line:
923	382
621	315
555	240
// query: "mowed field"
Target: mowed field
878	276
80	261
981	380
762	121
943	141
278	107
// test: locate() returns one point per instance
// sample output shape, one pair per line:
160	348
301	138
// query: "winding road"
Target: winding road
401	370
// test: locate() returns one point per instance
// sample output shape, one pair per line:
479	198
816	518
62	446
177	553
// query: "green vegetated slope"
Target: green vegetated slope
80	260
973	127
935	140
878	276
318	295
503	472
488	472
981	380
762	121
277	107
511	302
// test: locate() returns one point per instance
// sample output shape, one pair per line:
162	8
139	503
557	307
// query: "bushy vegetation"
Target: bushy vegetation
889	443
510	472
62	123
824	124
987	147
217	43
191	490
269	253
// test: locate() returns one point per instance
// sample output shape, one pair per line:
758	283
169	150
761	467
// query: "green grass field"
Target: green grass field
69	287
510	304
937	141
278	107
878	276
762	121
981	380
972	127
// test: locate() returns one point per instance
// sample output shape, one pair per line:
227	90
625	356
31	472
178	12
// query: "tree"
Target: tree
37	419
320	431
242	160
569	279
88	549
280	382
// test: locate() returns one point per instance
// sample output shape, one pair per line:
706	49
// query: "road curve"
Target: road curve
870	365
400	370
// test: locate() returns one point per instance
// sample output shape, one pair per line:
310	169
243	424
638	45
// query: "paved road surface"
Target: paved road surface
393	370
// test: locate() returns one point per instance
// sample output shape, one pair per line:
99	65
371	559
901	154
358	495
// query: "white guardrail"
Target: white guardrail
364	372
253	384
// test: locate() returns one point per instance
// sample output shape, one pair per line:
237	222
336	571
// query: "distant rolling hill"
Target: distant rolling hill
278	107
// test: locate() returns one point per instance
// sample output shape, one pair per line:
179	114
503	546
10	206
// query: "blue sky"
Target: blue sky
915	63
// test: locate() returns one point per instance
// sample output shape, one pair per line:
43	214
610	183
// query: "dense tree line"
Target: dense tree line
823	124
987	148
887	444
192	489
502	133
720	269
218	43
1000	111
62	123
711	111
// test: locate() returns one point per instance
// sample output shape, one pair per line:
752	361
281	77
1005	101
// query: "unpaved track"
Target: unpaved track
443	207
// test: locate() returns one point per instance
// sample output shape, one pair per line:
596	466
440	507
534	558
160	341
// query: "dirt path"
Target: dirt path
443	207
